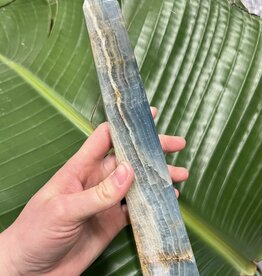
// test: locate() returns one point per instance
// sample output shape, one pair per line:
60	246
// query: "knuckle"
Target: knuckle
109	163
104	192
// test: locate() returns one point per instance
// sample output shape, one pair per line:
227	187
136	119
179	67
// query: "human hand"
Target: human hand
68	223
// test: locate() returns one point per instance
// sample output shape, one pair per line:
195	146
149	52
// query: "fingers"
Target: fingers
95	147
89	163
103	196
169	143
100	171
101	136
88	158
107	165
178	174
153	111
172	143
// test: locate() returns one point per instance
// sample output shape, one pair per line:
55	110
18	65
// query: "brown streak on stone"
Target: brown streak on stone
142	258
162	258
166	258
118	96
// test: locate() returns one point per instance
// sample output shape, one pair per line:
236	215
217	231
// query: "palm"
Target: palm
94	236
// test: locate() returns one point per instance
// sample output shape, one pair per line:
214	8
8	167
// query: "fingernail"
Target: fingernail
121	173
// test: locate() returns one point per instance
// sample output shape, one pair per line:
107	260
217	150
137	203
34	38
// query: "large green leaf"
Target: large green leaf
201	64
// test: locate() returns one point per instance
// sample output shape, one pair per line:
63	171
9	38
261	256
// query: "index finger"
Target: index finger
95	148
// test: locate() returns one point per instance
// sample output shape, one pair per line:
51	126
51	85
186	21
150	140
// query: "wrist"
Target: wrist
7	266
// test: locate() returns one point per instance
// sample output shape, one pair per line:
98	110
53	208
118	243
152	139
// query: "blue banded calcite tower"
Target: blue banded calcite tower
161	238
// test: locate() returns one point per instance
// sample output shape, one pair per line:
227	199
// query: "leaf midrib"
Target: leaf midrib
225	250
51	96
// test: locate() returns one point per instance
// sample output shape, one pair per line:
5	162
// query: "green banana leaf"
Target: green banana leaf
201	64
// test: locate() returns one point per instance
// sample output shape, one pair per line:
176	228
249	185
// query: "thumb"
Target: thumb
102	196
